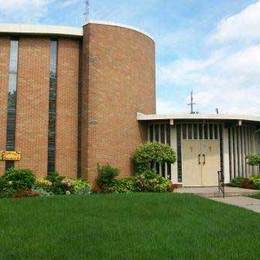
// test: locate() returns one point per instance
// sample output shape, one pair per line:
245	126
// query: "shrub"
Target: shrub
247	183
54	184
148	154
150	181
42	191
54	177
81	187
253	159
256	181
19	179
106	175
6	188
57	184
121	186
236	182
43	184
2	183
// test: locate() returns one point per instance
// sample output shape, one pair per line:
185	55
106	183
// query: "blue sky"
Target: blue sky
212	47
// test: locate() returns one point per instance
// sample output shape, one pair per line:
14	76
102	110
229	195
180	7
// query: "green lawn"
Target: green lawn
130	226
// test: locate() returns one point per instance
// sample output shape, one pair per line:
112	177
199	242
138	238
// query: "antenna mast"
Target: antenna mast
191	104
87	11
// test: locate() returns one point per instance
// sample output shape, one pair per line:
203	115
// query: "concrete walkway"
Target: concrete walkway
233	196
243	202
212	192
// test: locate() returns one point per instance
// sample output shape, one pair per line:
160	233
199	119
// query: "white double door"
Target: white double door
201	162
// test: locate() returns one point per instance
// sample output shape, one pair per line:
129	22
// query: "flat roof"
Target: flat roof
35	29
41	29
184	116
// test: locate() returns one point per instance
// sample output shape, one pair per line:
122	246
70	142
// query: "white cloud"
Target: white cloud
229	77
181	70
24	10
242	26
228	81
165	107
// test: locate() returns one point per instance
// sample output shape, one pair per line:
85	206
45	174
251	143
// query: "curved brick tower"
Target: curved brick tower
118	80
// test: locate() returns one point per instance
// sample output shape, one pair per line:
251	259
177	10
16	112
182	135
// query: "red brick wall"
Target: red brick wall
67	107
118	81
4	69
32	103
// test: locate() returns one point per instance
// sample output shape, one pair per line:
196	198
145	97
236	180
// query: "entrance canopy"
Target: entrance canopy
205	144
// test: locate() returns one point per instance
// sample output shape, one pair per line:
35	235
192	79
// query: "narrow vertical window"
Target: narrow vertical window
157	133
221	148
216	129
245	151
238	152
190	131
52	107
242	151
195	131
163	134
200	131
151	133
206	134
11	104
230	153
211	130
168	134
179	153
184	131
234	152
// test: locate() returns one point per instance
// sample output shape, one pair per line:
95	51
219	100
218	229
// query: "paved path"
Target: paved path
234	196
243	202
212	192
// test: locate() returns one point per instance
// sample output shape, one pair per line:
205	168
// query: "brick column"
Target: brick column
33	103
118	80
4	70
67	107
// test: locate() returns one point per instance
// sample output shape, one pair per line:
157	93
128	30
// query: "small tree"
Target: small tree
149	154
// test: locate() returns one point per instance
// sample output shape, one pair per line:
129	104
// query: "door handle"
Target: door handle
199	162
204	159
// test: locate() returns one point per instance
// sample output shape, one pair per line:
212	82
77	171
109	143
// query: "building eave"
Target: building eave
34	29
223	117
41	30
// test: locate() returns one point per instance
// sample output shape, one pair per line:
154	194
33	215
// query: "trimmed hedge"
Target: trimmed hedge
147	155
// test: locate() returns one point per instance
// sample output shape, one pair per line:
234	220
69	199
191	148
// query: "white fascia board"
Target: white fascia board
41	30
143	117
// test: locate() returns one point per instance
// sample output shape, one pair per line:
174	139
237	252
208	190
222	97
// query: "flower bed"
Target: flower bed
20	183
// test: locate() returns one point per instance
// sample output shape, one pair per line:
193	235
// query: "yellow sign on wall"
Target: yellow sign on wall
10	156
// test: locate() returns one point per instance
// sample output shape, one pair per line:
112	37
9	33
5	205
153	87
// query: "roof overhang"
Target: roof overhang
223	117
41	30
32	29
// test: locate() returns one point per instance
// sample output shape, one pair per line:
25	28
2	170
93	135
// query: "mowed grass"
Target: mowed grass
130	226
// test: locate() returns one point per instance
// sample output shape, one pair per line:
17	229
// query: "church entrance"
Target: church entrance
200	154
